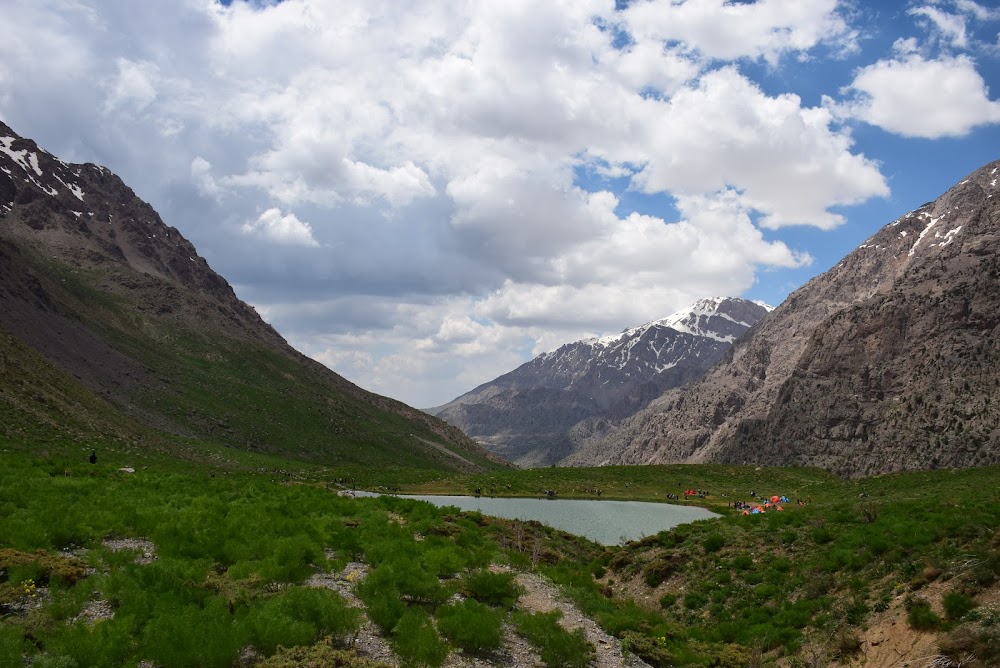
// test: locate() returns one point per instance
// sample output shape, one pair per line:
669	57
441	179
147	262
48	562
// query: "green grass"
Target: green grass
233	552
193	373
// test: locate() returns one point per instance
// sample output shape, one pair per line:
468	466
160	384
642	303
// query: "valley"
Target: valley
230	559
177	478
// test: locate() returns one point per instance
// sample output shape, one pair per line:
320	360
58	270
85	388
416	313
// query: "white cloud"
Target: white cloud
977	11
201	175
462	153
133	88
915	97
951	26
287	229
787	160
724	30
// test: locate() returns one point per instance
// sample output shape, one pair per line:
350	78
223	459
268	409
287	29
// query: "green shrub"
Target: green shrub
694	600
109	644
384	608
713	543
920	616
301	616
651	650
320	655
11	641
496	589
846	643
957	605
410	580
557	647
185	635
443	560
47	660
474	627
660	568
416	641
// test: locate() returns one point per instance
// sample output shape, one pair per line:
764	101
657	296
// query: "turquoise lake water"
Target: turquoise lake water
605	522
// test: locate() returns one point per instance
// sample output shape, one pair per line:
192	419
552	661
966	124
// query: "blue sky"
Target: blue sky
423	199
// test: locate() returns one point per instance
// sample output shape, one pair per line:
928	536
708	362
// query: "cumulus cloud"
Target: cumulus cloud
915	97
201	175
722	30
281	229
788	160
470	158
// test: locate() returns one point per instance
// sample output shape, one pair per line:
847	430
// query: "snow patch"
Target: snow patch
76	190
28	164
923	234
948	236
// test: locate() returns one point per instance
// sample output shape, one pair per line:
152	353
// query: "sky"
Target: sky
424	195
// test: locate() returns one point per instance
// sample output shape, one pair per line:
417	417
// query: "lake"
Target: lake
605	522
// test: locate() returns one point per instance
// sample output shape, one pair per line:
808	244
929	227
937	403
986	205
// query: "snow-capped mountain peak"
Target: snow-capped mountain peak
528	414
718	318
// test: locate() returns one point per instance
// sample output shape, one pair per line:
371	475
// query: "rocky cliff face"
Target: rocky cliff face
889	361
528	415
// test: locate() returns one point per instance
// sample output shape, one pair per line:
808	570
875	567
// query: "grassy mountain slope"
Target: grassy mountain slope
114	327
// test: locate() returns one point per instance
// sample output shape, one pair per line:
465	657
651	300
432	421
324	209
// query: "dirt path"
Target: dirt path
539	596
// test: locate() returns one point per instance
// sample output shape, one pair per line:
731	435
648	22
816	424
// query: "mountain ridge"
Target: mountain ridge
882	363
95	282
528	414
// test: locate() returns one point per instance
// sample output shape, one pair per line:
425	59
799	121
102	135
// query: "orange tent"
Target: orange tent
775	499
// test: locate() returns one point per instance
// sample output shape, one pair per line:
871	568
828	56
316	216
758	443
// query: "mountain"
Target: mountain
527	415
114	329
888	361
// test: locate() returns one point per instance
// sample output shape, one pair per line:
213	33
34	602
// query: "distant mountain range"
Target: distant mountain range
115	331
531	415
888	361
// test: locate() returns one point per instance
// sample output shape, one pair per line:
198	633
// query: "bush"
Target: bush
694	600
846	643
474	627
662	567
713	543
557	647
384	608
416	641
320	655
920	616
496	589
11	640
300	617
184	635
957	605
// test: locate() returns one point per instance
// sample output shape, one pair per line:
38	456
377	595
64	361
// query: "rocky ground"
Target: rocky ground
538	595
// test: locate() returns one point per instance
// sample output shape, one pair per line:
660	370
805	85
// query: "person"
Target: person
93	457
